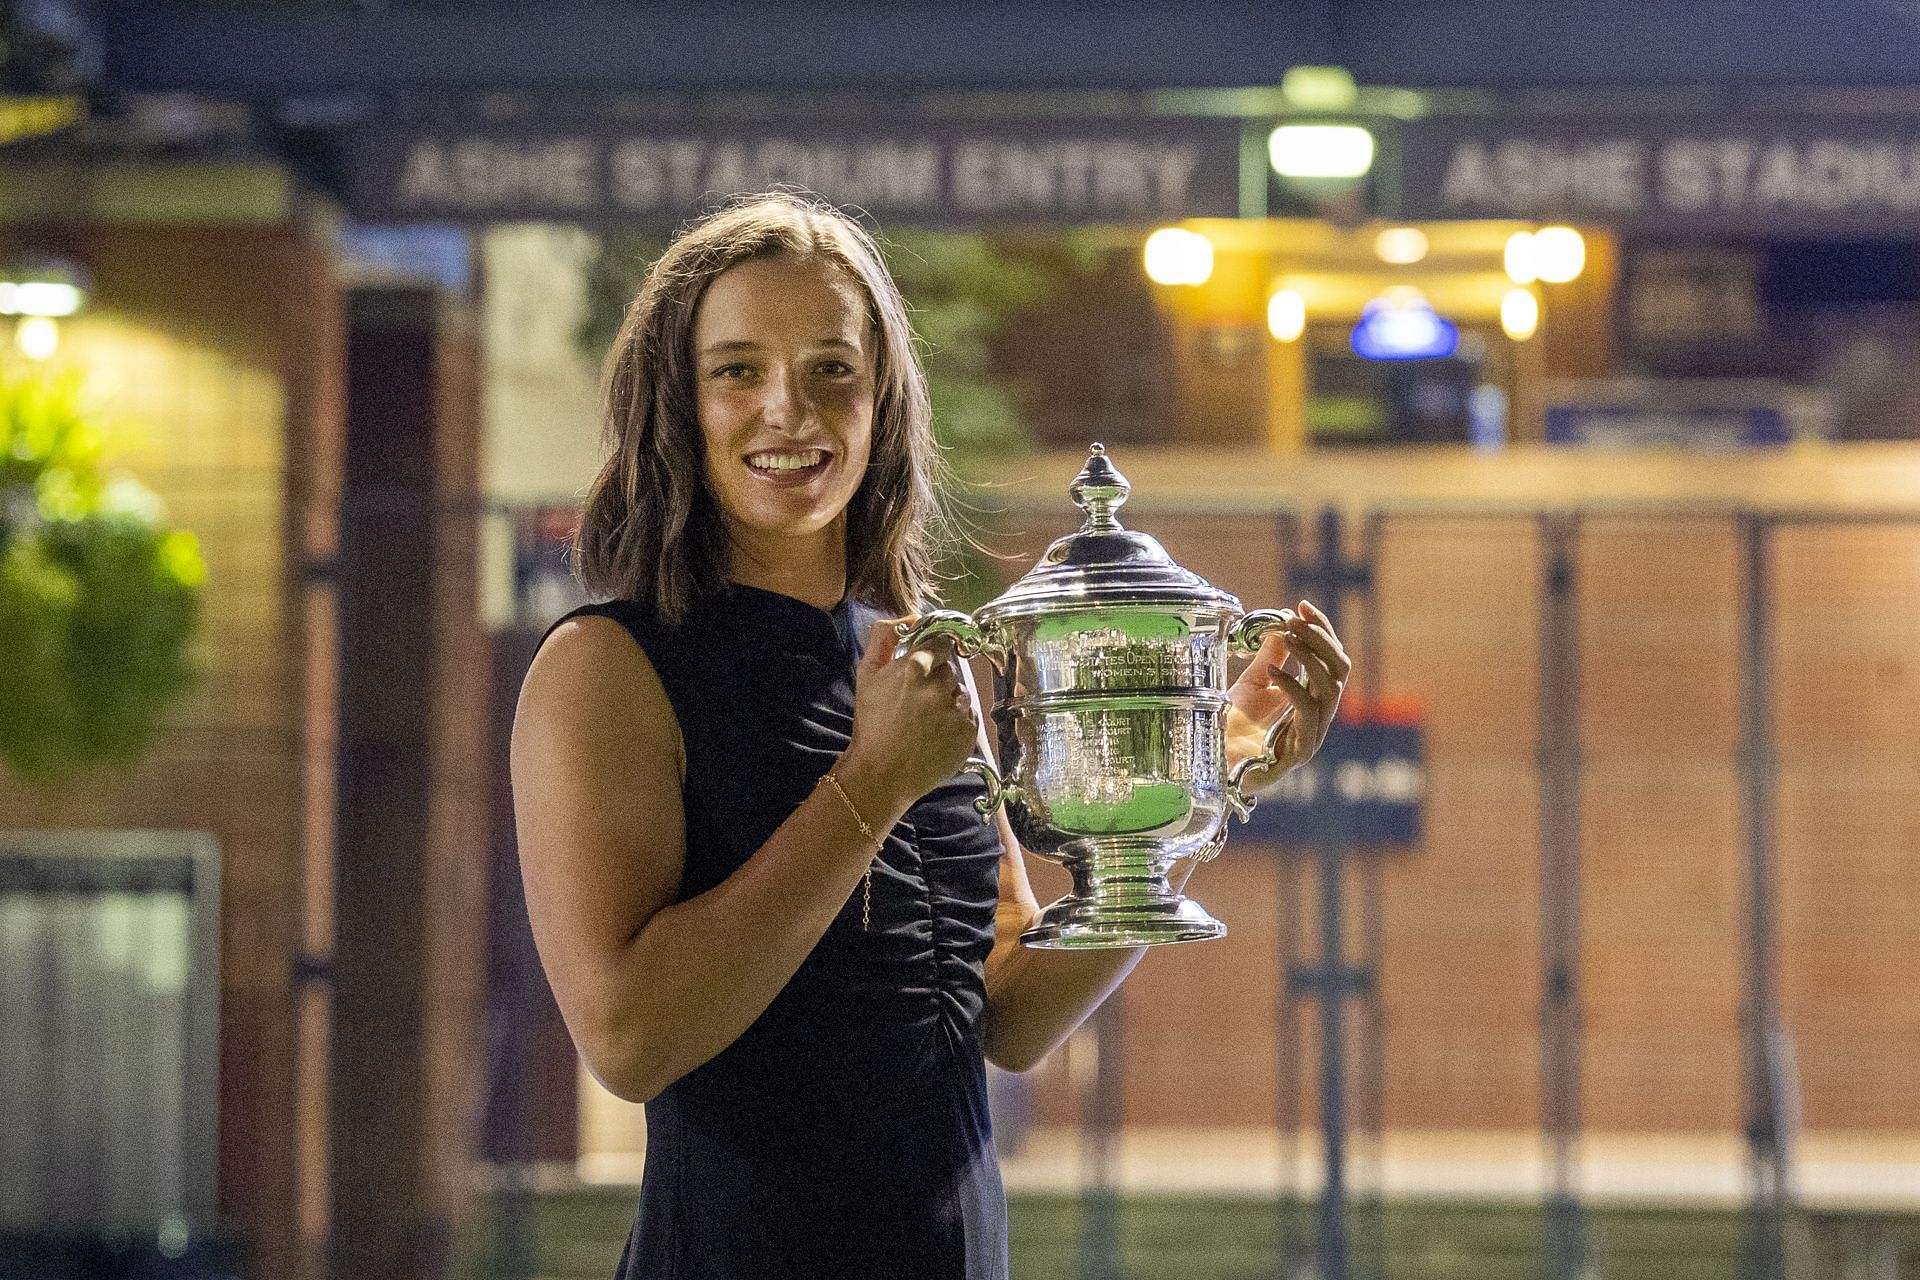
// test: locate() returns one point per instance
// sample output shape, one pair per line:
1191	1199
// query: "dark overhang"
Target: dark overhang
241	48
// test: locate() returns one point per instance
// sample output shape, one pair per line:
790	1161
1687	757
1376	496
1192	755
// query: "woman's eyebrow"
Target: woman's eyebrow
740	345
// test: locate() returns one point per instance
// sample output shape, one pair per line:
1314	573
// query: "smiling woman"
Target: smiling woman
758	880
759	888
786	413
775	318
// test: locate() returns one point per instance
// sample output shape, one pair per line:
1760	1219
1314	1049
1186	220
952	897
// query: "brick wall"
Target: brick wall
1659	628
217	346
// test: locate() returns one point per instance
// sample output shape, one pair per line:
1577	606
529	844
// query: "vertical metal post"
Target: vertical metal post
1100	1125
1560	761
1769	1085
1371	1101
1331	980
1288	1244
1291	1254
1333	1066
1368	1226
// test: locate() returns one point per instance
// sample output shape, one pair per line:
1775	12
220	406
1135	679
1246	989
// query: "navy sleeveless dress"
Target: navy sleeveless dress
845	1133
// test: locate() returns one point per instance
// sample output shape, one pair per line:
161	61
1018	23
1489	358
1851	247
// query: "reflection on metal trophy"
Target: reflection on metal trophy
1110	710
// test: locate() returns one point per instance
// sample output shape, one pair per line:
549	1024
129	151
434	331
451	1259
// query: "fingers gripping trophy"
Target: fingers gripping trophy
1110	709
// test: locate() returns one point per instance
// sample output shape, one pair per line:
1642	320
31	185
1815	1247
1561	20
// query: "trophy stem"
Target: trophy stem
1121	898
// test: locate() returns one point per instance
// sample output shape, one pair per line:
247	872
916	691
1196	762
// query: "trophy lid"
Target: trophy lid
1104	563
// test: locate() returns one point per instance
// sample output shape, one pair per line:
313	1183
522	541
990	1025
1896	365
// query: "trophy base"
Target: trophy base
1075	924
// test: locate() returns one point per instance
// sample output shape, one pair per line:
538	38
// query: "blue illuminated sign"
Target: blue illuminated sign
1367	785
1403	331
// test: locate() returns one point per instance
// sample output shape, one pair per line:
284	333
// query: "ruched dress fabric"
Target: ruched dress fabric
845	1134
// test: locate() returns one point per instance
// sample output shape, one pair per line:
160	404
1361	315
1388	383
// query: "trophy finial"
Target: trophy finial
1099	490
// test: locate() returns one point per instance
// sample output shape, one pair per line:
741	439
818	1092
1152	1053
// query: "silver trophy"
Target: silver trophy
1110	705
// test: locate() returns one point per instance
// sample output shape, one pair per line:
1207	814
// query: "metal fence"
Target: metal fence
1814	611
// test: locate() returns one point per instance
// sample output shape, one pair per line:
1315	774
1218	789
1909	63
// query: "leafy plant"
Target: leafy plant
98	596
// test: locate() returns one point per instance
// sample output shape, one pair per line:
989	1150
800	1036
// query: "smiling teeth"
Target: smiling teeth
786	461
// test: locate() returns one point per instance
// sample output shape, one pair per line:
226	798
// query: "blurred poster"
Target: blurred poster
1367	784
1684	413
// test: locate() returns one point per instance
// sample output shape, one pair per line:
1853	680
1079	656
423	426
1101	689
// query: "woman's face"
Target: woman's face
784	370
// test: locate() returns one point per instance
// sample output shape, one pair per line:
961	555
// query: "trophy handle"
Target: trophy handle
967	637
1249	629
1242	803
998	792
1244	636
968	640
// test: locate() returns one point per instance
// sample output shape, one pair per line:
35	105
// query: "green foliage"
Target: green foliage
962	287
98	597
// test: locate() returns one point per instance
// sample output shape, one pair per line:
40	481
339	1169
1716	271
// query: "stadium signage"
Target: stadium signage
1047	171
1815	174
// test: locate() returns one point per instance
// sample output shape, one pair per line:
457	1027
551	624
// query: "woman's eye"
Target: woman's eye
729	371
836	368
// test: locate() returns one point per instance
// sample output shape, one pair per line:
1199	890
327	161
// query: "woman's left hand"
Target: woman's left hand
1265	690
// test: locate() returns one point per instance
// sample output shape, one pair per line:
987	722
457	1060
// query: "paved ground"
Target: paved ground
575	1233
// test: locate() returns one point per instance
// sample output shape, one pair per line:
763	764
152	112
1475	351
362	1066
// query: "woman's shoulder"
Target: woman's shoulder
629	635
629	615
589	682
605	637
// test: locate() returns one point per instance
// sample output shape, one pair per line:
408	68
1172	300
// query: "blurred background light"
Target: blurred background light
1287	315
39	298
1320	150
1174	255
1401	246
1520	258
38	337
1402	325
1519	314
42	286
1559	254
1319	88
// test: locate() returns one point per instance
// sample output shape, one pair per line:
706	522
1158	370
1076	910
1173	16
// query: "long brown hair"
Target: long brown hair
650	530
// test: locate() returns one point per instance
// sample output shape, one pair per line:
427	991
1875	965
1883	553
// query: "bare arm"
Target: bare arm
650	988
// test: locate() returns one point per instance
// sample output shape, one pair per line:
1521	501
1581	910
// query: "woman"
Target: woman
758	886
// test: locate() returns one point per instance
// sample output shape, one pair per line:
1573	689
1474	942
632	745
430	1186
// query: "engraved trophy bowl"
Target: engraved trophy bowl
1109	712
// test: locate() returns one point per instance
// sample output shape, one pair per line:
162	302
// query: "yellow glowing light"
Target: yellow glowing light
38	337
1521	259
1559	254
1174	255
1287	315
1401	246
31	117
1320	150
1519	314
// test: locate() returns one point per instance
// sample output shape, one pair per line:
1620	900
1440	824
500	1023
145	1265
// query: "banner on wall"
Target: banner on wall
1783	175
944	174
1367	785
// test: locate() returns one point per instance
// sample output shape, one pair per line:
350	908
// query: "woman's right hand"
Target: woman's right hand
913	720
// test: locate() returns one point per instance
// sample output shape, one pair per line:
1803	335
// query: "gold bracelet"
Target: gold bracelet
866	891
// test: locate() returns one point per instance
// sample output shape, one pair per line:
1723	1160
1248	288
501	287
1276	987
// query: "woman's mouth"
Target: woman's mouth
788	467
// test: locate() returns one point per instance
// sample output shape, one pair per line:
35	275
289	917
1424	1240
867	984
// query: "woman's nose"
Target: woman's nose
783	400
